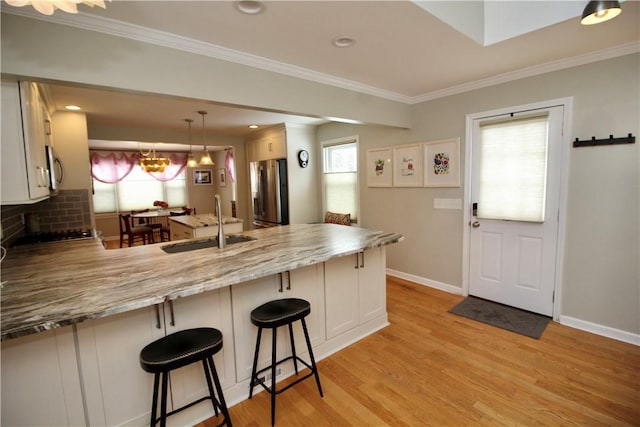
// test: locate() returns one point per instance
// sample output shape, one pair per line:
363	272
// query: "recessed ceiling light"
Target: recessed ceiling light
343	41
250	7
72	107
253	126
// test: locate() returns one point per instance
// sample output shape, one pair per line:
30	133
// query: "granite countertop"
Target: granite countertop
203	220
55	284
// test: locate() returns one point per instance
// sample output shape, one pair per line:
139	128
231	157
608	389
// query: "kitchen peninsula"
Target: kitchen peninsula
74	315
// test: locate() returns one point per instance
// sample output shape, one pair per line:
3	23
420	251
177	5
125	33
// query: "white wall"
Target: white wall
601	282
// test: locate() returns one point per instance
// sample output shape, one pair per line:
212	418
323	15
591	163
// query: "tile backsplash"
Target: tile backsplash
67	210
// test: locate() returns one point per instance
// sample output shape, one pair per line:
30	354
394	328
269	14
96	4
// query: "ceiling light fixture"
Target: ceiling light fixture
191	161
149	162
253	126
343	41
206	157
47	7
250	7
600	11
72	107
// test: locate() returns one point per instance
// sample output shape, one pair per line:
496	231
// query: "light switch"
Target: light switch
455	204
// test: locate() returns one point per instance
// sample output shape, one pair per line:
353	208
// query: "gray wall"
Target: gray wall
601	278
601	282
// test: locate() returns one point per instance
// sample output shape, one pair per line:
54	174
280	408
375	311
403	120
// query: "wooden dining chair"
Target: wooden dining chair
134	231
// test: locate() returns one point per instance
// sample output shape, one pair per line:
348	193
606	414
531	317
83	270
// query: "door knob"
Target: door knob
475	224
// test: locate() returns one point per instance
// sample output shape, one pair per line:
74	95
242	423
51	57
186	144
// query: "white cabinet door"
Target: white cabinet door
341	288
40	381
372	290
118	391
33	116
247	296
24	173
211	309
306	283
355	290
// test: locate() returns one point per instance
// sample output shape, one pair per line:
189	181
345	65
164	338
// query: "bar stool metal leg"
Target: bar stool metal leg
293	348
313	360
253	381
154	405
222	402
207	374
273	376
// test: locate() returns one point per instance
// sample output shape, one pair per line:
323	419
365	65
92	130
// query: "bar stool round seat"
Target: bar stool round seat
272	315
180	349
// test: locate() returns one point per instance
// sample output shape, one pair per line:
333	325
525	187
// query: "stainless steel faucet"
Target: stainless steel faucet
221	240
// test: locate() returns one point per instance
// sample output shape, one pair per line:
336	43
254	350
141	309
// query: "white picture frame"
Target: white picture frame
442	163
407	166
379	167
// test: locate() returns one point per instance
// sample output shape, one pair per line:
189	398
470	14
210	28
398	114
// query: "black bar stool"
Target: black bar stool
181	349
271	315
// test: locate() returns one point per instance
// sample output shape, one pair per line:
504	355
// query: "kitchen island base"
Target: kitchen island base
109	387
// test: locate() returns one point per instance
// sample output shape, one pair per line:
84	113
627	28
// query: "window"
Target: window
340	176
137	189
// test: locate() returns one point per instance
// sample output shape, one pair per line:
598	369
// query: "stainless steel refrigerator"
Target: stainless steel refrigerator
269	192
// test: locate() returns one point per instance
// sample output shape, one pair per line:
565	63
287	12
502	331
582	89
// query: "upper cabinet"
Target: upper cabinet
26	129
267	144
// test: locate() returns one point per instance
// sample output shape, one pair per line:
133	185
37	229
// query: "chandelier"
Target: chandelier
149	162
47	7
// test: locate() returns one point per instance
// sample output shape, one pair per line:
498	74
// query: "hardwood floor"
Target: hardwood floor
431	367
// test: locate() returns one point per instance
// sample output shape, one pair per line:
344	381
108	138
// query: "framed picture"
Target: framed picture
379	168
407	166
202	177
222	177
442	163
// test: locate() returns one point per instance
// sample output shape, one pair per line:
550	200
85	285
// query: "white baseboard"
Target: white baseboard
572	322
597	329
425	282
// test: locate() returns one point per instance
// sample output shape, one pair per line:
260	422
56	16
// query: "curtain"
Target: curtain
178	163
112	167
230	166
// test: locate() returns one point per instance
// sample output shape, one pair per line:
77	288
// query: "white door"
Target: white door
515	190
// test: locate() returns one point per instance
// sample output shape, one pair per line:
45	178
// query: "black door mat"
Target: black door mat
502	316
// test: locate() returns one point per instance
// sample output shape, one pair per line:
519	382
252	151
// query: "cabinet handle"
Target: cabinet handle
280	290
288	280
47	127
362	263
173	319
357	261
158	325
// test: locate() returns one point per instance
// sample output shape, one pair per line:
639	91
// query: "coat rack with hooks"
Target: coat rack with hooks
630	139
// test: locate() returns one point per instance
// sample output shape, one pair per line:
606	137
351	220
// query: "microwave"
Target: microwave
54	168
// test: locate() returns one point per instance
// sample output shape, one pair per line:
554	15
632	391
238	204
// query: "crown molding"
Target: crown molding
561	64
173	41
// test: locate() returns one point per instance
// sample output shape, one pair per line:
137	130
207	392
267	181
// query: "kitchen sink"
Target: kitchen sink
193	245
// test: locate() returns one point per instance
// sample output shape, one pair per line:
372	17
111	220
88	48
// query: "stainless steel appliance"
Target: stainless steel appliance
270	193
54	168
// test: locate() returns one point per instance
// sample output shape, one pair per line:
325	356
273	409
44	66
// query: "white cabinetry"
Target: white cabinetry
40	381
118	391
25	132
306	283
355	290
270	143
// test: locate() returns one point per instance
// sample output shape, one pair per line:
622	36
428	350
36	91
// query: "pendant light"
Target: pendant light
600	11
206	157
191	161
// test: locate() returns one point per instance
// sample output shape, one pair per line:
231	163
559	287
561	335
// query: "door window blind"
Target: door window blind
513	169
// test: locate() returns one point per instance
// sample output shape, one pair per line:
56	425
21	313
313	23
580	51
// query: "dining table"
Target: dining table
157	217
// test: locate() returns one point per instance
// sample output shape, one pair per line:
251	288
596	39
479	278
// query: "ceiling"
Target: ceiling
405	51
